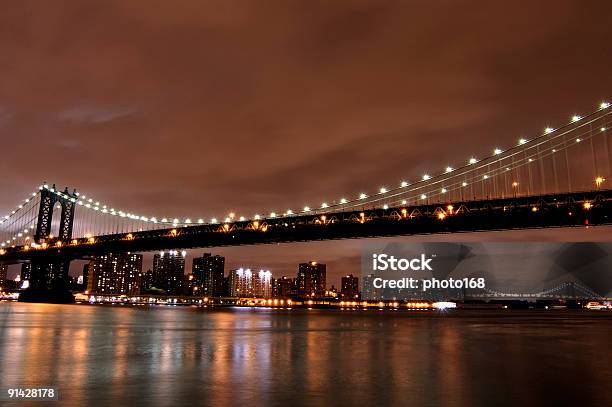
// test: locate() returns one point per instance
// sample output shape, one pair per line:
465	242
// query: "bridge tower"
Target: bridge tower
49	275
48	199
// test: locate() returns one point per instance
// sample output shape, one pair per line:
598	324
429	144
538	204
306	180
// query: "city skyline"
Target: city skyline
344	257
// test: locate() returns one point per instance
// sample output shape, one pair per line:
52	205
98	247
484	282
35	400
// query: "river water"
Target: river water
159	356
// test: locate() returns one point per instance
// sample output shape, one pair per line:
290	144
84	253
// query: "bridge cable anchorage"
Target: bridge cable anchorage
529	167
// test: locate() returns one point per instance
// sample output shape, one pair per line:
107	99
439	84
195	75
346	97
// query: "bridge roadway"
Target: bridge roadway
543	211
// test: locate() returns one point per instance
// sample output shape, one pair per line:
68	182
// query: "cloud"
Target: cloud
94	114
5	116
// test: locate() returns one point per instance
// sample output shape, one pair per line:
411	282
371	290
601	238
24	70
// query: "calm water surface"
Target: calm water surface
158	356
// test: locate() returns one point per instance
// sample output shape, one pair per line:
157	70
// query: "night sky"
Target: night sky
196	109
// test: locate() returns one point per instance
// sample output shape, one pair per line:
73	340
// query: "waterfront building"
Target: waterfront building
3	273
85	275
208	272
169	272
284	287
193	288
226	286
262	284
26	271
241	283
311	279
369	292
115	274
245	283
349	289
147	281
46	274
332	292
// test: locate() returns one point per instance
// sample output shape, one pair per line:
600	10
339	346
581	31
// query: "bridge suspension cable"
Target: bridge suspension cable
490	170
481	177
17	227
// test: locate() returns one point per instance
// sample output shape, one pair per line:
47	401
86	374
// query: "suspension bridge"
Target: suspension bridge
556	178
564	290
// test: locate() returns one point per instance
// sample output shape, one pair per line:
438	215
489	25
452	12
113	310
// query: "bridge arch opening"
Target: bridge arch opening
55	223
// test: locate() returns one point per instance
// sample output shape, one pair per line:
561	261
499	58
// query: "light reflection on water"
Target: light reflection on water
158	356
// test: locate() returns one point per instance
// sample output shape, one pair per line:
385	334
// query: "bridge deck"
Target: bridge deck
545	211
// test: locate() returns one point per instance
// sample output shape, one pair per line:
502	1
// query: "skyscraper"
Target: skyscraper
26	271
147	281
369	291
169	272
208	272
284	287
3	273
43	274
245	283
350	288
115	274
241	283
262	284
311	279
85	275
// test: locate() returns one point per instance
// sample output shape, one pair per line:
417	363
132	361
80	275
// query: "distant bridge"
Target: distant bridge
563	291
